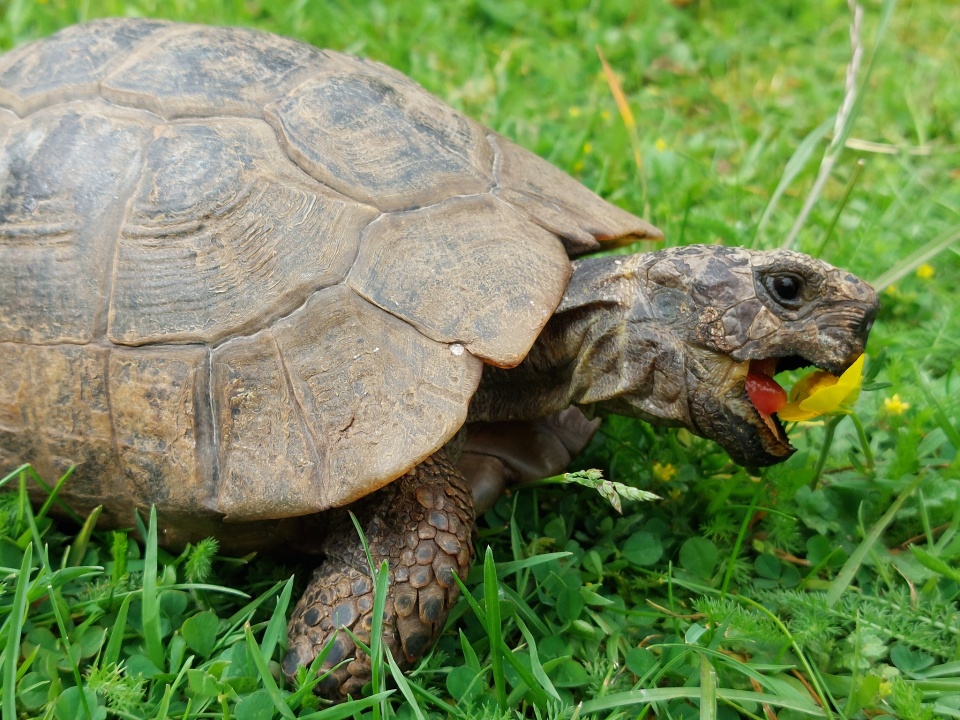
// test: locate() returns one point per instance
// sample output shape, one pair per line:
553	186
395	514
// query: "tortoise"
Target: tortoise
256	284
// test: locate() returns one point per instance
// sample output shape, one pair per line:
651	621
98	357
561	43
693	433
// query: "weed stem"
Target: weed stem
831	429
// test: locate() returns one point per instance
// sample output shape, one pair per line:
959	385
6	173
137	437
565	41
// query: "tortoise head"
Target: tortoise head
685	326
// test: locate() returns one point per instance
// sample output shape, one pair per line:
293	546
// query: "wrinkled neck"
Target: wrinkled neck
605	340
544	383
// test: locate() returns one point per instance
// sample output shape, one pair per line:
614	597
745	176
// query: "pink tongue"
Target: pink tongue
764	392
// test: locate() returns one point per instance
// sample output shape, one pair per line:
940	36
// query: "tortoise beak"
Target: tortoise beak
725	414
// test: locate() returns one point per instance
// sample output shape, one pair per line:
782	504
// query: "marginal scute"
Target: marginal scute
262	436
201	71
55	412
224	234
381	139
162	425
65	174
557	202
470	271
18	442
378	396
70	64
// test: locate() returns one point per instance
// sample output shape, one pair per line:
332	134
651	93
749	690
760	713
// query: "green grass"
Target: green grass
734	596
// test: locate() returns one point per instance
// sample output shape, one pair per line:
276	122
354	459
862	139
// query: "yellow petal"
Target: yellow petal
812	383
826	399
820	393
853	375
791	412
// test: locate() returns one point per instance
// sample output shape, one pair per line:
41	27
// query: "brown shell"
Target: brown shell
246	277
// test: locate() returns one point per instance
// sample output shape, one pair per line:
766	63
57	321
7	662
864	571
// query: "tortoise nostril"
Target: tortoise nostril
866	324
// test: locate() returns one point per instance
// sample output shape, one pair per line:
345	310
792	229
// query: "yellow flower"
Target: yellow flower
587	148
664	473
605	115
895	406
925	272
821	393
574	111
660	144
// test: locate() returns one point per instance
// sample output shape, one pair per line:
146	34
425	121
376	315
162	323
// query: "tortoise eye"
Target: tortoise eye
785	288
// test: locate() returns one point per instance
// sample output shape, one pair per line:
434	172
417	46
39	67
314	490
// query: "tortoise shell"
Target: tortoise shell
251	278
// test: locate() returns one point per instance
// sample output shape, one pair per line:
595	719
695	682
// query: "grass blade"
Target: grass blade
11	475
150	601
79	547
794	165
403	685
269	684
112	654
349	708
847	114
708	689
491	599
850	567
382	580
277	627
513	566
921	255
621	700
14	631
539	674
623	107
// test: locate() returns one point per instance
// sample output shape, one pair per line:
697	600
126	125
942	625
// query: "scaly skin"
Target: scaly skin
422	525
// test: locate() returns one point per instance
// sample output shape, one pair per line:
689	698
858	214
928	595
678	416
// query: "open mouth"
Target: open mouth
766	395
745	409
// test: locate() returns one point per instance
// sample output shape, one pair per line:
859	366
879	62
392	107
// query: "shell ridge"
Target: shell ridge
214	425
101	318
108	401
126	60
269	323
313	442
422	330
496	168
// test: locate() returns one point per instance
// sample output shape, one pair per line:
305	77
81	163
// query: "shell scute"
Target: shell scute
65	174
201	72
378	139
377	396
70	64
223	235
469	271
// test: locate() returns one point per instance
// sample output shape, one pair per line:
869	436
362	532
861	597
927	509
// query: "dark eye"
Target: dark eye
785	288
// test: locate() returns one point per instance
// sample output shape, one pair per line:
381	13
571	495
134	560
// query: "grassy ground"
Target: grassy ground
824	587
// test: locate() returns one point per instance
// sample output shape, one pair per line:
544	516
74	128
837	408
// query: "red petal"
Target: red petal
765	393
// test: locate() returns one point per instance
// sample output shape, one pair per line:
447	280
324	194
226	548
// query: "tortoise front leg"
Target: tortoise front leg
422	525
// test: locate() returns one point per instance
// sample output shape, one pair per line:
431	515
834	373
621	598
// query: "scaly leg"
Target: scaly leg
422	525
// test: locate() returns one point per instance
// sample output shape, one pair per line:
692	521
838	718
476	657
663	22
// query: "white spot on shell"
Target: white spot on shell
457	349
